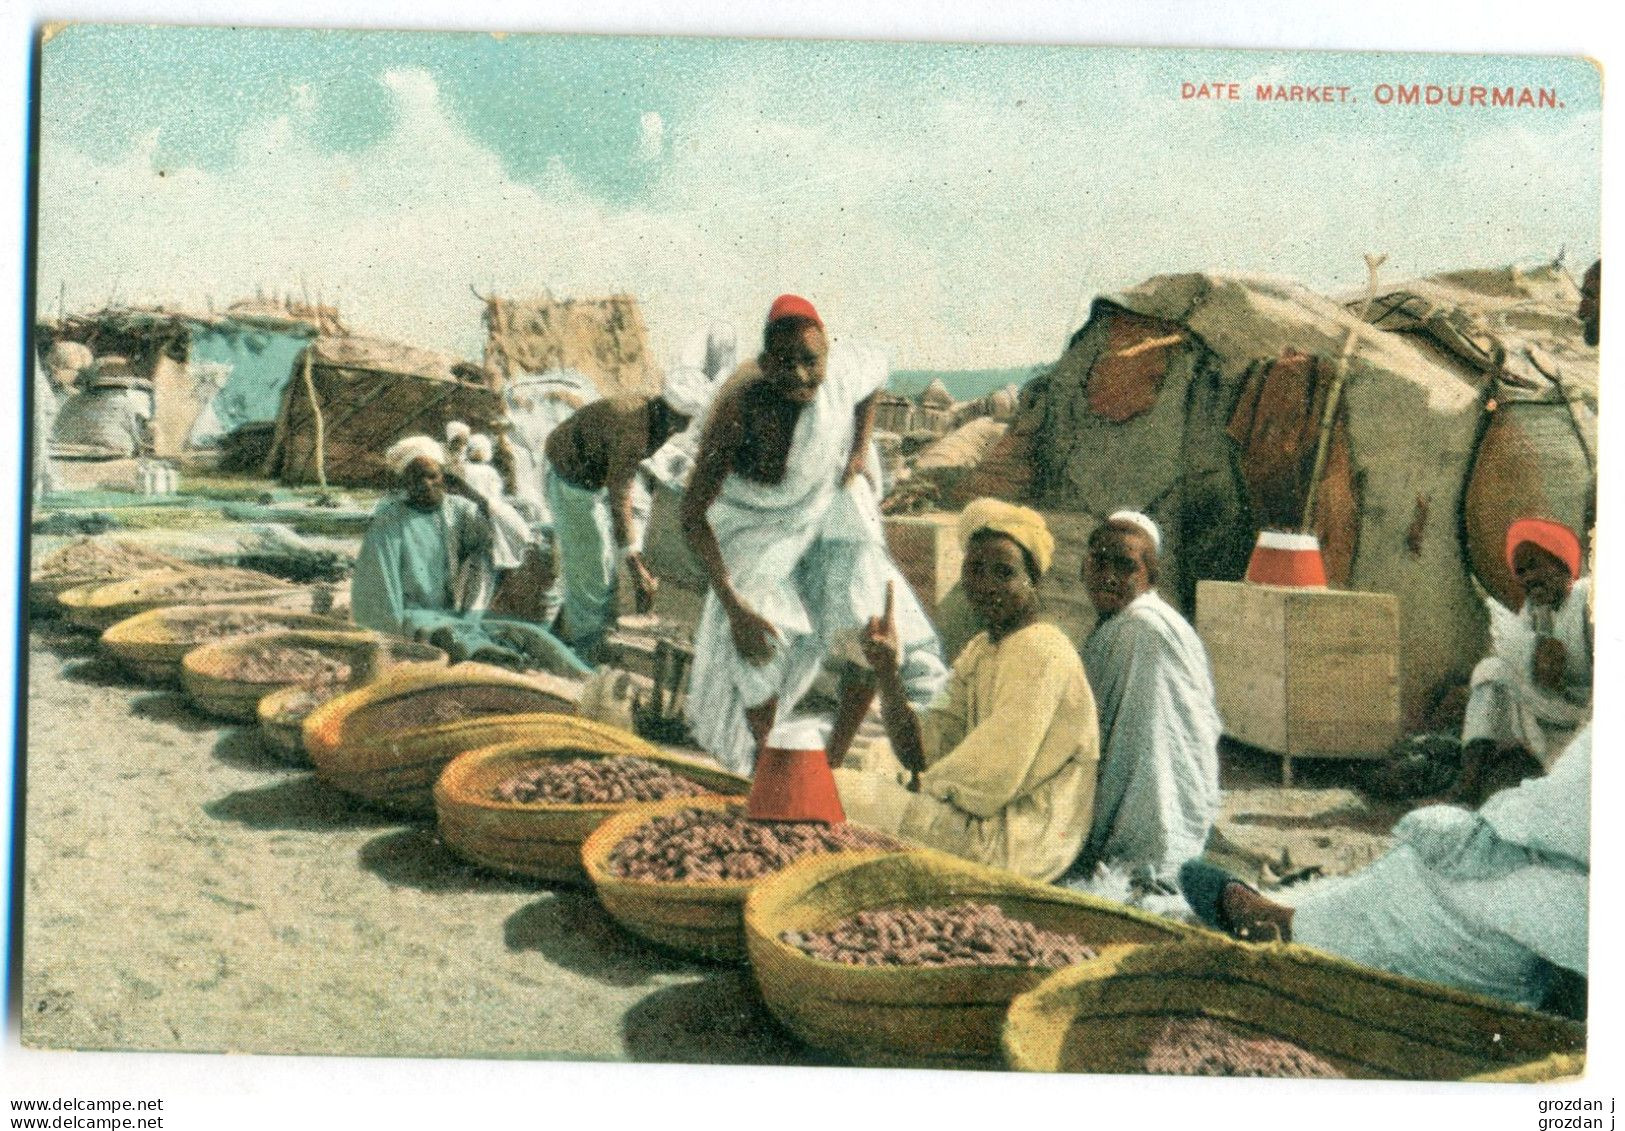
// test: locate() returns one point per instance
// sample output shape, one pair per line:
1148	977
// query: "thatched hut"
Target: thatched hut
893	413
604	338
362	395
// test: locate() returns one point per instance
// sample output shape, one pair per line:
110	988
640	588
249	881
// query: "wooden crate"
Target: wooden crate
926	549
1303	672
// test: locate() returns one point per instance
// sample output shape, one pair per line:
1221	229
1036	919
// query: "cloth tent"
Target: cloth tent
370	393
208	373
250	369
1198	399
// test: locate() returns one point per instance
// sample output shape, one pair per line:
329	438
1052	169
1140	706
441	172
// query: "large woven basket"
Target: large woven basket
706	920
282	714
1104	1016
214	684
85	563
99	607
948	1017
388	741
151	645
543	839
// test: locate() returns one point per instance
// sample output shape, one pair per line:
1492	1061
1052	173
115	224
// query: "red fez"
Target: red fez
1553	537
792	306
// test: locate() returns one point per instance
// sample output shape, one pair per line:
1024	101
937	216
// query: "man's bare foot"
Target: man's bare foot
1248	915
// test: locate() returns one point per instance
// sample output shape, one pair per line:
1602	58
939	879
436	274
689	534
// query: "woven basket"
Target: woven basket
99	607
542	839
399	775
282	714
699	919
705	920
1104	1016
209	673
388	741
75	565
910	1015
1558	1066
151	645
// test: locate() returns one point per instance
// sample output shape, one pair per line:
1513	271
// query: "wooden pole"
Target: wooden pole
316	411
1334	397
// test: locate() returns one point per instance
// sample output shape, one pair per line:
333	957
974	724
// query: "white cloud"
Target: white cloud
969	234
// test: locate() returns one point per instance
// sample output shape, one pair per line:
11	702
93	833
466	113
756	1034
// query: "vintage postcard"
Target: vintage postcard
751	552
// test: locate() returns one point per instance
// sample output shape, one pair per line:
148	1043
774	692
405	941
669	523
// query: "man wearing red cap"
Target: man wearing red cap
782	512
1529	697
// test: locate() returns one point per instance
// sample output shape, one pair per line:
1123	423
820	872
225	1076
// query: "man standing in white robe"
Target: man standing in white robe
784	520
1158	793
510	531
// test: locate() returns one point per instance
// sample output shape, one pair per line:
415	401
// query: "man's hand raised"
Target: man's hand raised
880	645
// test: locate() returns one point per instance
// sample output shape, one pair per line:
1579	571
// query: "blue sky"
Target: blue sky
958	205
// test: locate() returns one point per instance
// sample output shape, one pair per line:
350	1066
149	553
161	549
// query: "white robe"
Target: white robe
537	404
1505	705
1488	902
810	556
510	531
1159	740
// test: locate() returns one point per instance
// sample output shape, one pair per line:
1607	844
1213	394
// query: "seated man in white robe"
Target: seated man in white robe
1159	720
1528	698
478	470
781	513
1493	901
424	571
425	558
1004	762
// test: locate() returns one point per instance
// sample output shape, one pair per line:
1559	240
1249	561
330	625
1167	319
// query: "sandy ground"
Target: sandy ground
185	891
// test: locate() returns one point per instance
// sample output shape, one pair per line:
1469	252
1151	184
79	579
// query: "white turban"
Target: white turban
403	453
1146	526
457	430
479	448
68	356
688	392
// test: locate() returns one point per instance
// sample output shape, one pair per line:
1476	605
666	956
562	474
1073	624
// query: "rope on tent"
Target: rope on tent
316	411
1329	417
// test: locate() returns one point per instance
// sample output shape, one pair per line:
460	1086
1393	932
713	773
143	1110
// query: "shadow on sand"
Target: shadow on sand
300	804
170	707
98	671
415	858
572	930
244	748
717	1020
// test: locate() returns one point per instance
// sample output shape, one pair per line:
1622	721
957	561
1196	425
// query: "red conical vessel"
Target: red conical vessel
1294	560
794	785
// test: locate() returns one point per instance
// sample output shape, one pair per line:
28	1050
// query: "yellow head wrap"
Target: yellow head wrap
1023	525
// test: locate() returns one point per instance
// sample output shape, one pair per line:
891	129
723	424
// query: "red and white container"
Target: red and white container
792	780
1291	560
